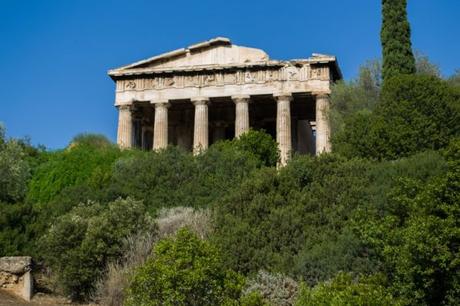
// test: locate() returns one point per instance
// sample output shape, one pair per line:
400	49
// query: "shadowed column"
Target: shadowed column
125	127
283	126
323	131
201	129
160	129
241	114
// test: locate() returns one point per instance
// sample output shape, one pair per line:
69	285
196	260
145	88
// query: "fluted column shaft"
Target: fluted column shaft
160	128
241	114
283	126
323	131
201	125
125	127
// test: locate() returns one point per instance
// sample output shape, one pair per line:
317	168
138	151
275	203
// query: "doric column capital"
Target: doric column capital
158	104
321	95
125	107
283	96
200	100
241	99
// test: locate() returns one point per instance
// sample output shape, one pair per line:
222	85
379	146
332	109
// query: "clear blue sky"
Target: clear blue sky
54	55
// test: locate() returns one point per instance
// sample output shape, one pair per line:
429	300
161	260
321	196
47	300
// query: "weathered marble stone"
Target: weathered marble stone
16	276
16	264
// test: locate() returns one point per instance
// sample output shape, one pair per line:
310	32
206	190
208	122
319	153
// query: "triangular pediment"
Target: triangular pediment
217	51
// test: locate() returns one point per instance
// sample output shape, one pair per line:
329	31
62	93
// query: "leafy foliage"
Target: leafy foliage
360	95
79	165
80	243
343	290
418	237
184	270
404	122
91	140
273	220
276	289
396	41
14	170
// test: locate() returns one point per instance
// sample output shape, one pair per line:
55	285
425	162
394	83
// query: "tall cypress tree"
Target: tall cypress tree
395	36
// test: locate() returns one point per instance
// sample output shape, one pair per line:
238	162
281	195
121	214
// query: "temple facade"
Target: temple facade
214	90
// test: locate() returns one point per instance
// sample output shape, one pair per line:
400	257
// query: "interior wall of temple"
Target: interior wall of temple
262	116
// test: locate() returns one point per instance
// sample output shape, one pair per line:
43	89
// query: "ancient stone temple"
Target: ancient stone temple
195	96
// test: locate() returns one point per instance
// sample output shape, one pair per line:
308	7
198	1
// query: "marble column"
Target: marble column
241	114
283	126
323	131
201	125
125	127
160	128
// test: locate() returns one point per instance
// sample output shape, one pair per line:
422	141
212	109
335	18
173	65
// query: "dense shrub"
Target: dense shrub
15	236
184	270
80	243
79	165
259	144
344	290
173	177
91	140
112	287
359	95
273	220
418	236
416	113
14	170
275	289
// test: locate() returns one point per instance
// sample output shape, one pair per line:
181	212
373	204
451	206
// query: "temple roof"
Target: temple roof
216	53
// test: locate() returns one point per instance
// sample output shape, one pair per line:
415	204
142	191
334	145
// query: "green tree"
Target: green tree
14	171
80	243
359	95
396	41
416	113
184	270
413	228
425	67
344	290
93	140
261	145
82	164
454	80
282	221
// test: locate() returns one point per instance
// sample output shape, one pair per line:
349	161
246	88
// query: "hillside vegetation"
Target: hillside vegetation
375	222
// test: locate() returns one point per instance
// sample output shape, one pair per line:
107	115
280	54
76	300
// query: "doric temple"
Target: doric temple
195	96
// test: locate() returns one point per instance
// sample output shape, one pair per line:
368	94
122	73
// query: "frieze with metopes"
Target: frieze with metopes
222	78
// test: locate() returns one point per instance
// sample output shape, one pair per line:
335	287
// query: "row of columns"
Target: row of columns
201	125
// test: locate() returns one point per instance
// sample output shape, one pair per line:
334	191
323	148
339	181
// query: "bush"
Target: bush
14	170
170	220
343	290
15	236
91	140
416	113
275	219
136	249
360	95
261	145
275	289
80	243
184	270
111	288
424	249
81	165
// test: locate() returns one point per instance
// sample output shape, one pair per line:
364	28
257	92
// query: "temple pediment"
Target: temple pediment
215	52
